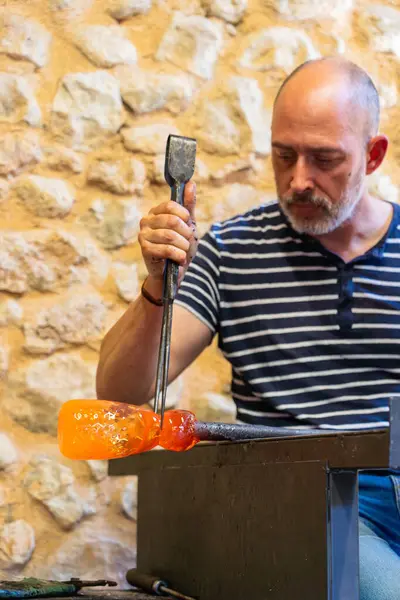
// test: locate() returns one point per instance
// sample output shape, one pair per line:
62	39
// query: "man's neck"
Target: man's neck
368	224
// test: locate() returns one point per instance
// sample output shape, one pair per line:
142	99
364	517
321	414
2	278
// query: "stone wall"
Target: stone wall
89	91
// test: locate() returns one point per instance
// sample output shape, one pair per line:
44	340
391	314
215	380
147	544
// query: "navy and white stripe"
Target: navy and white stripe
312	341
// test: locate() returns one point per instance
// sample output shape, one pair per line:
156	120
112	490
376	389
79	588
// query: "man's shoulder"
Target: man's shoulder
258	217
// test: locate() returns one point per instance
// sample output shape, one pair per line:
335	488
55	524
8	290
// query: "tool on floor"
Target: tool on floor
153	585
180	155
31	587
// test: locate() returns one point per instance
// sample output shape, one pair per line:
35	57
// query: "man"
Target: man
303	293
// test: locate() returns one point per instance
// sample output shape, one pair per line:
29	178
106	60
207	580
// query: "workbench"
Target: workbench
270	519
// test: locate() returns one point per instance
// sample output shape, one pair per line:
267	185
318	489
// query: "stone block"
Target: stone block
24	39
277	50
44	196
123	9
126	280
19	151
149	139
75	319
312	9
231	11
37	391
233	119
120	176
17	544
51	483
105	46
381	25
114	224
44	260
87	109
17	101
192	43
148	91
8	452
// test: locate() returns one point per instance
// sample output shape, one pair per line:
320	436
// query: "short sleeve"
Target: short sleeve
198	291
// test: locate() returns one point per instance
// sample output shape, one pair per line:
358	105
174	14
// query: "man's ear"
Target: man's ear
377	148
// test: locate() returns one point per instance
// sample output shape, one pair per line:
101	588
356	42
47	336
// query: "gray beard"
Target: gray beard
334	217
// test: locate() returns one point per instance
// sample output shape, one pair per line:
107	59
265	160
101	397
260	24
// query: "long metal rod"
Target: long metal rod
161	362
243	431
167	353
174	593
170	288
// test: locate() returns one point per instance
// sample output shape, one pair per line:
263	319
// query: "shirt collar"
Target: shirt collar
376	251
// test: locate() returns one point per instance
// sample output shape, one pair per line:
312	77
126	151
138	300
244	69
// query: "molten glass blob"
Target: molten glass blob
178	432
100	429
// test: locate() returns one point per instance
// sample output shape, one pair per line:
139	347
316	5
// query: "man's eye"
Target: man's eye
324	161
287	157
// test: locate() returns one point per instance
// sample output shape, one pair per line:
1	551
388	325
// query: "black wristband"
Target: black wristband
149	297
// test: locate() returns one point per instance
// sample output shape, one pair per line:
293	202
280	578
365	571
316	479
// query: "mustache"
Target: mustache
308	198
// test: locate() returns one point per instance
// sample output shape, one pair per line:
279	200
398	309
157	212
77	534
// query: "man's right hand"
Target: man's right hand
169	231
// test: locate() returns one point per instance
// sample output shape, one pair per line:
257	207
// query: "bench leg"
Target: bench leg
343	536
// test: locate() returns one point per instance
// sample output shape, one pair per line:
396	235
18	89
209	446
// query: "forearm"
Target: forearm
129	352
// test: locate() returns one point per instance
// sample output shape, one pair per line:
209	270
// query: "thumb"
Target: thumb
189	199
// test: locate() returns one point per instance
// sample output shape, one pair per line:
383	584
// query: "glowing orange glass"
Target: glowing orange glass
101	429
178	432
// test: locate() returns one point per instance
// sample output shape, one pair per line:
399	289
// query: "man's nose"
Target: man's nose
301	176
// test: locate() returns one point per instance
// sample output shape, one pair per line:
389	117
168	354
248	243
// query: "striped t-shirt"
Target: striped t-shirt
312	341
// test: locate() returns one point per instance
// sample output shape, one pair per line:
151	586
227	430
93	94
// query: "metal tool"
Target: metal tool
238	432
154	585
180	155
31	587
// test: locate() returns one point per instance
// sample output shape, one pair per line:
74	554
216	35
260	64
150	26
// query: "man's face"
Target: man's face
319	161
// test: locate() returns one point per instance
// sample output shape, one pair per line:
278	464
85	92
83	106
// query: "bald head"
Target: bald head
332	76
